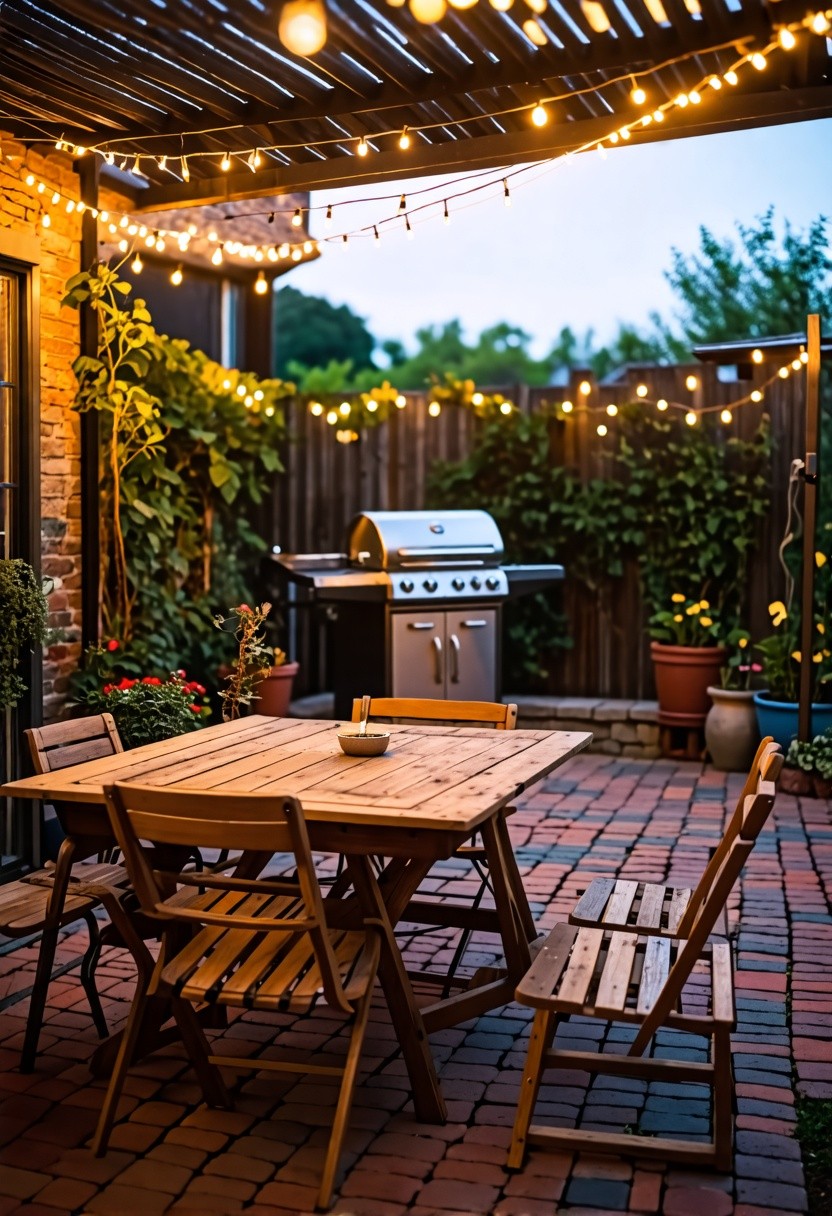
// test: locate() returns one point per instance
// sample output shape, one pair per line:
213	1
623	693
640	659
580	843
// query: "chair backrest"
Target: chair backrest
755	812
64	743
415	709
146	816
766	763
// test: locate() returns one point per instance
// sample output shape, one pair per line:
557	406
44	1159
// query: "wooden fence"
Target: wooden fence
327	482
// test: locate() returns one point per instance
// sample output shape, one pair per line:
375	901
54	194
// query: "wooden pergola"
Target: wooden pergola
203	79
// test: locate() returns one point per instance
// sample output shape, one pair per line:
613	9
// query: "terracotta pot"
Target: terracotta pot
731	729
796	781
683	676
823	786
274	692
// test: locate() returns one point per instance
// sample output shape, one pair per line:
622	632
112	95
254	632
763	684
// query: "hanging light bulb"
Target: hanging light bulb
261	284
658	116
691	418
316	408
601	429
408	227
756	356
819	23
186	173
612	409
137	265
756	395
584	388
163	162
695	97
506	407
540	115
566	407
363	147
216	256
404	142
731	77
225	163
302	26
641	390
376	237
177	276
786	38
691	383
638	95
434	409
402	204
401	401
661	405
46	220
726	416
428	12
297	218
535	32
254	160
715	83
758	61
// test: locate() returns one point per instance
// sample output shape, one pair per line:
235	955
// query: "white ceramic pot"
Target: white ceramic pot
731	729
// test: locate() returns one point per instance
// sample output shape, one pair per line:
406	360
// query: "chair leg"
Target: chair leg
46	954
123	1060
88	965
342	1110
210	1078
467	934
723	1101
543	1029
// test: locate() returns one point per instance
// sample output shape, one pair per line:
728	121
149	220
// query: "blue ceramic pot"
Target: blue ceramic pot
779	718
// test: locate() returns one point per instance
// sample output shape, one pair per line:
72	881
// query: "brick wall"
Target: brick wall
60	488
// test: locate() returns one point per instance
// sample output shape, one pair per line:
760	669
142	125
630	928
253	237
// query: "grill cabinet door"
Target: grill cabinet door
471	663
418	655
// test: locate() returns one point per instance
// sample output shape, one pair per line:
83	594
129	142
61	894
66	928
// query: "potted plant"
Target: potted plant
258	673
776	704
148	709
731	725
808	767
23	611
686	658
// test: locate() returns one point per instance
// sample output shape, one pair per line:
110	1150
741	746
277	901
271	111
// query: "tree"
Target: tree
312	332
499	357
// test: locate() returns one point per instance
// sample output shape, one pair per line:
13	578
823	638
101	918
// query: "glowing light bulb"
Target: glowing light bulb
658	116
506	407
344	409
614	137
216	256
540	115
786	38
363	147
46	220
756	356
477	399
177	276
186	173
601	429
758	61
502	6
715	83
584	388
123	245
756	395
695	97
612	409
661	404
566	407
404	141
691	418
535	32
434	409
241	390
401	401
682	100
783	373
691	383
624	132
731	77
819	23
137	265
302	26
332	417
726	416
428	12
315	408
796	364
163	162
297	218
225	163
804	356
372	405
638	95
261	284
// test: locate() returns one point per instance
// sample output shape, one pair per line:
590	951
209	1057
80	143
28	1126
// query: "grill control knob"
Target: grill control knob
430	584
458	584
476	583
492	583
406	584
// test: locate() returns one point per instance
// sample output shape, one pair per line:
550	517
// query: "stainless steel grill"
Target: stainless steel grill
417	597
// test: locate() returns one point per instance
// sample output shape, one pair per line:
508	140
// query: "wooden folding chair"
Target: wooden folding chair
254	944
653	908
50	899
425	711
641	981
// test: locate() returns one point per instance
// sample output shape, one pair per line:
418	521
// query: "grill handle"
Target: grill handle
439	673
455	658
475	624
421	625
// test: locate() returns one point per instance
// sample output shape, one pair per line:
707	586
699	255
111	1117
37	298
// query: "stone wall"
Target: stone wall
619	728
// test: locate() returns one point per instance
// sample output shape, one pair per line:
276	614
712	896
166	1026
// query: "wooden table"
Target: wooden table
413	806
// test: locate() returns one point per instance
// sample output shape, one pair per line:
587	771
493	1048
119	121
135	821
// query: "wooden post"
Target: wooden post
87	170
811	472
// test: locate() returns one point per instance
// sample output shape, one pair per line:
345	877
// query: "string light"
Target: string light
404	140
316	408
177	276
691	418
434	409
401	401
297	218
786	38
332	417
758	61
137	265
402	205
186	173
506	407
783	373
566	407
731	77
726	416
756	395
661	405
612	409
641	390
328	216
601	429
225	163
261	284
637	95
363	147
819	23
344	409
216	256
540	115
584	388
691	383
756	356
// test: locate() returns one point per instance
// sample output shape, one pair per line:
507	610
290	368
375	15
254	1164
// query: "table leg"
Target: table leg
428	1102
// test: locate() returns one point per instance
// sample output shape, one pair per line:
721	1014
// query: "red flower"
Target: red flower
112	644
108	688
124	684
243	608
195	709
199	689
181	673
151	680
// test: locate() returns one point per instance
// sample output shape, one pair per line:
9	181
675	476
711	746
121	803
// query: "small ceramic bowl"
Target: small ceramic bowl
371	744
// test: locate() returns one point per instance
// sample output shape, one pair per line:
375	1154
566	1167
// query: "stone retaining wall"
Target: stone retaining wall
619	728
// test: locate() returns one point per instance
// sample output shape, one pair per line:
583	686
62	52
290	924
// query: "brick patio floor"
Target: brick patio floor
597	816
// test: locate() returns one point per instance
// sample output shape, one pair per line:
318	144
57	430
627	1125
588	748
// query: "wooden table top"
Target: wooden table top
441	777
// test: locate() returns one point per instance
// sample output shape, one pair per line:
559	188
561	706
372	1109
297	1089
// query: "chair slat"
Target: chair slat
722	984
591	905
678	906
651	906
617	973
575	984
621	901
654	973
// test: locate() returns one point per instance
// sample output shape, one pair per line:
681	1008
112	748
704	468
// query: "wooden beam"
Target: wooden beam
87	170
725	113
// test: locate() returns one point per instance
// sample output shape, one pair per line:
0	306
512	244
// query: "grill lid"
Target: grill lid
400	540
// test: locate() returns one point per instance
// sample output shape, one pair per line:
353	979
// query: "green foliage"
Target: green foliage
686	623
814	1134
683	504
189	447
253	659
150	709
23	612
311	331
780	651
813	756
499	356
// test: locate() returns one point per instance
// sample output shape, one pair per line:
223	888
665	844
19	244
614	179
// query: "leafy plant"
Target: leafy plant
780	651
813	756
190	447
739	671
685	623
23	611
150	709
253	659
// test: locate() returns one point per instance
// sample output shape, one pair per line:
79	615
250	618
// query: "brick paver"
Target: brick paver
599	815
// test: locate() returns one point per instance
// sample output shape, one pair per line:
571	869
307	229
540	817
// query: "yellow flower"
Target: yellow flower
817	656
827	653
742	643
693	610
820	560
821	629
706	621
796	655
778	612
678	617
704	605
677	599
